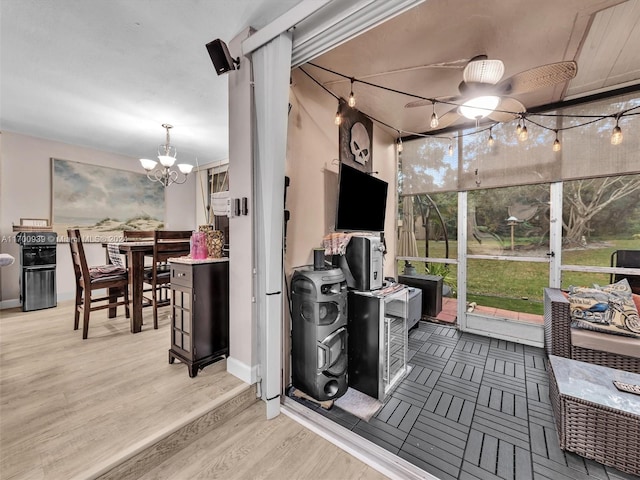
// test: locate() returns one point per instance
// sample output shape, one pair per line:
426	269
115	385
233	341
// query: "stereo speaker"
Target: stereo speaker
319	332
220	56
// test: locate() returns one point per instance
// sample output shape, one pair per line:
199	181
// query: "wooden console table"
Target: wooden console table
594	419
199	311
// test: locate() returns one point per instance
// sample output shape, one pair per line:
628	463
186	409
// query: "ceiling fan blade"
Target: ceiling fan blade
418	103
422	103
507	110
540	77
483	70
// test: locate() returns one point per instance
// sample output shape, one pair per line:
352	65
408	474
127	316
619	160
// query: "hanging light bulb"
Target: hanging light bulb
451	149
491	140
616	135
523	135
352	98
399	145
518	128
338	119
434	117
556	143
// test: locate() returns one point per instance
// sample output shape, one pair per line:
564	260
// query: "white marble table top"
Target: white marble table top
594	384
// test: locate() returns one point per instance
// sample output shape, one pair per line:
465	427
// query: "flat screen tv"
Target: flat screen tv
362	201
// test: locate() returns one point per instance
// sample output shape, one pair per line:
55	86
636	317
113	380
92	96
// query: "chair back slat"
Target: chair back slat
80	267
171	243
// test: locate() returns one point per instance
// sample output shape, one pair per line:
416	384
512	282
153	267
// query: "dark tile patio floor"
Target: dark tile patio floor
473	407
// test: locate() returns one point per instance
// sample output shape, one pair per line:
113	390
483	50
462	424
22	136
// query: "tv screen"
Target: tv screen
362	201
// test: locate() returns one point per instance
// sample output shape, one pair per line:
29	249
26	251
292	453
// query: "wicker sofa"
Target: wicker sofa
603	349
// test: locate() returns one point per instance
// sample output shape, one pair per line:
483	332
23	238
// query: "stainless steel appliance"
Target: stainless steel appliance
362	262
38	269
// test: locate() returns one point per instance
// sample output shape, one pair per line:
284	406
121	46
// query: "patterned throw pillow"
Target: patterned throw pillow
608	309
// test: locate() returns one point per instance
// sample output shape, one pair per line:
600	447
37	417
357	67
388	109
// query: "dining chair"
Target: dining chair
166	244
88	279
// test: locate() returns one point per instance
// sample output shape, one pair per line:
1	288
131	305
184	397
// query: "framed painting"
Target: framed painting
355	137
103	202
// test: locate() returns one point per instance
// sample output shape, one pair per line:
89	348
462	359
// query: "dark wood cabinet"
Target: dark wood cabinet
199	313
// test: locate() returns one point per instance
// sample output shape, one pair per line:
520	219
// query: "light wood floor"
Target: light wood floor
67	405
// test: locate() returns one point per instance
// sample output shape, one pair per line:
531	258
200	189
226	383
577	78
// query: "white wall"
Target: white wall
25	192
312	154
243	355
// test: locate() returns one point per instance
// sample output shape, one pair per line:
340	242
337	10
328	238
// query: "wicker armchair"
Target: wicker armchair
558	341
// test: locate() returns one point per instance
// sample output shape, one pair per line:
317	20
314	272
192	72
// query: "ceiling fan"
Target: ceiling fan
483	92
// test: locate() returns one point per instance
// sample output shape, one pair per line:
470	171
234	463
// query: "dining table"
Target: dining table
136	253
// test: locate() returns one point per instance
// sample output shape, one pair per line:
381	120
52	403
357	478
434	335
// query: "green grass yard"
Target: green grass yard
518	286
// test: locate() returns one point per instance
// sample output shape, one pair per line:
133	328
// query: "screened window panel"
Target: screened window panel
426	166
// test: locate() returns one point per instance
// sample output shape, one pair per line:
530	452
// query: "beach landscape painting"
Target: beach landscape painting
103	202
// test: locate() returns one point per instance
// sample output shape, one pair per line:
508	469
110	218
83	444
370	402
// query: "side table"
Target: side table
594	419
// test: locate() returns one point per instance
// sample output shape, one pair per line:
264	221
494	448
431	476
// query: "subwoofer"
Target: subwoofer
319	332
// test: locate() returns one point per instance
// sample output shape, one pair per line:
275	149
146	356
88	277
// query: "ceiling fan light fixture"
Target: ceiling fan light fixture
479	107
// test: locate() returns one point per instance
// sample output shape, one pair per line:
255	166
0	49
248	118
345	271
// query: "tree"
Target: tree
584	199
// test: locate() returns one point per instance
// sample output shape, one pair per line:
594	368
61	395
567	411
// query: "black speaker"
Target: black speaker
319	332
221	57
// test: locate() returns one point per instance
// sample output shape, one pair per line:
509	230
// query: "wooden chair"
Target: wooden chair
166	244
88	279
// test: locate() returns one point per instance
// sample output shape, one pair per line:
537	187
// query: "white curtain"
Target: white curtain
272	69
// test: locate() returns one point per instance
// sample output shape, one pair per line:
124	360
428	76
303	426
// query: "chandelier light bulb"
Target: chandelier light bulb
616	135
434	117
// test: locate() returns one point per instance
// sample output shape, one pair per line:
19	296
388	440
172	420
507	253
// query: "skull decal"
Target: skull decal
360	143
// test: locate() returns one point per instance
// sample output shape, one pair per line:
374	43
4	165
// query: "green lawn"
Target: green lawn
518	286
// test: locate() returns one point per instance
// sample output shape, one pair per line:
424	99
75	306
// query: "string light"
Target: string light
491	140
616	135
521	128
556	143
434	117
338	119
352	98
524	134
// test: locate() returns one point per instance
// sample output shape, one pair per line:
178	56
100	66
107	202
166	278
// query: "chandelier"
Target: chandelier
167	156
